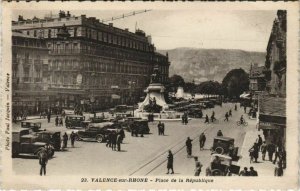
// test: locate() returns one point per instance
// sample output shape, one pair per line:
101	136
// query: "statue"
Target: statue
155	77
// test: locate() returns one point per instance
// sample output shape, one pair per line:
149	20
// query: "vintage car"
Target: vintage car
75	121
225	145
195	113
97	131
216	101
51	137
97	119
139	126
206	104
26	142
221	165
35	126
120	109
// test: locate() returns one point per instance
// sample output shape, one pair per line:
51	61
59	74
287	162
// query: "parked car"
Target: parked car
195	113
24	142
51	137
75	121
207	104
34	126
120	109
139	125
216	101
97	131
225	145
225	168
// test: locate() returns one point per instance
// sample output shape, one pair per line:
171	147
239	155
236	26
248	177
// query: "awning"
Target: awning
272	106
272	112
267	125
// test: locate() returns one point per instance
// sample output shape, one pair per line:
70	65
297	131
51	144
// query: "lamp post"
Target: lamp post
131	84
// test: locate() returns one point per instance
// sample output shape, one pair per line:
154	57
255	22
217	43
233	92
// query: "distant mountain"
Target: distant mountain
210	64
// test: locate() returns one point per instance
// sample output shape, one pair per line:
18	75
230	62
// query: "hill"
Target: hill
210	64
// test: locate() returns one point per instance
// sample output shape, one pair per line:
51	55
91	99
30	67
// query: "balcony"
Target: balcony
64	51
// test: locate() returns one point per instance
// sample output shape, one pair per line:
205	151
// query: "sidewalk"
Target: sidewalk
263	168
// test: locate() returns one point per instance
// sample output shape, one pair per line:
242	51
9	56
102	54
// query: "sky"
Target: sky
245	30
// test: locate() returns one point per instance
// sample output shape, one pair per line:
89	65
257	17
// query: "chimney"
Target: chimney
111	24
126	29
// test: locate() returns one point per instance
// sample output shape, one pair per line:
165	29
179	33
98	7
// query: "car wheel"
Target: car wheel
219	150
216	172
99	138
78	138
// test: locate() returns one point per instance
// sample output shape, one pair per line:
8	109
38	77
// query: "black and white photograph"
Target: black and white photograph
145	93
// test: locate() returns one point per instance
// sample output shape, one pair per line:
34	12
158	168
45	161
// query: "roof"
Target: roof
224	138
28	121
274	106
221	156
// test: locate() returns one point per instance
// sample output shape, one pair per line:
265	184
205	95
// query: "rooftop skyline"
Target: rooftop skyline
245	30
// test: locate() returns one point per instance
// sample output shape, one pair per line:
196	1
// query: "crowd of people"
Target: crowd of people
114	140
276	154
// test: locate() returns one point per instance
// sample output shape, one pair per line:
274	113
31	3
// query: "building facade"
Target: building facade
29	59
91	63
272	102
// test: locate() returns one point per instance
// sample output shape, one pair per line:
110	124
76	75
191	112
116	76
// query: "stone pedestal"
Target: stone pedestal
154	90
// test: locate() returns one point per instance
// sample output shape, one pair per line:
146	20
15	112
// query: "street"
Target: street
141	155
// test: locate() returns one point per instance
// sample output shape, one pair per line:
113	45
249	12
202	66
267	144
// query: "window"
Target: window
34	33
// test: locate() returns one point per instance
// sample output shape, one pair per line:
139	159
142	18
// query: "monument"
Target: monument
155	100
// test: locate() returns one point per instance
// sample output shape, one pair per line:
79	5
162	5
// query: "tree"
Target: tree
174	82
209	88
235	83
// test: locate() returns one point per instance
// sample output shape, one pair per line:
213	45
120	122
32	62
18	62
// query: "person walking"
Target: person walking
65	140
114	141
212	118
198	167
278	170
230	113
72	137
163	129
186	119
226	116
244	172
170	163
159	128
43	160
271	149
206	119
245	109
188	145
119	140
259	142
109	140
56	121
49	116
254	152
252	172
122	133
202	139
263	150
278	154
235	107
